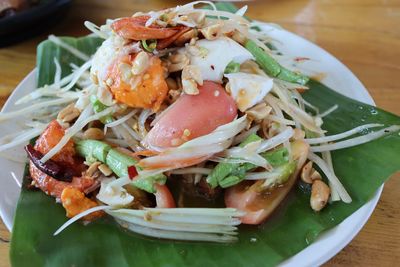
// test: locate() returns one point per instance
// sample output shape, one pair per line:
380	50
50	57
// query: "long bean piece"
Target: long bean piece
272	67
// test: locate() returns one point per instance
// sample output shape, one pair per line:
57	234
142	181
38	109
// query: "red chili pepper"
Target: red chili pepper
298	59
132	172
54	169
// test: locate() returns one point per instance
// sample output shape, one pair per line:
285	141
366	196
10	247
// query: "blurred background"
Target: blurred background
363	34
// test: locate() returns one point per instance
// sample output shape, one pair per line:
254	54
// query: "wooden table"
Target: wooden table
364	34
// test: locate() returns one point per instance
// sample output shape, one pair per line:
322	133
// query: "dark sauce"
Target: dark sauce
187	194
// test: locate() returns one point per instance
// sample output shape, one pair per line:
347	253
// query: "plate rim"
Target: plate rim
367	209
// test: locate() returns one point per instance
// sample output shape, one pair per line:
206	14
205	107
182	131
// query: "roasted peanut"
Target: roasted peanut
140	63
309	174
259	112
91	171
298	134
186	37
176	67
269	128
212	32
177	62
190	87
239	37
68	114
192	72
105	169
93	133
315	175
177	58
319	195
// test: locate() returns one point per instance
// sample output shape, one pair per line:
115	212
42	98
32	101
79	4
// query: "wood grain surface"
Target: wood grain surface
363	34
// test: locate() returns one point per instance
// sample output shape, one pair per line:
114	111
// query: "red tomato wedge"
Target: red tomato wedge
192	116
257	205
164	197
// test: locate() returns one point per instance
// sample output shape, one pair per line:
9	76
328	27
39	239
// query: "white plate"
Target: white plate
339	78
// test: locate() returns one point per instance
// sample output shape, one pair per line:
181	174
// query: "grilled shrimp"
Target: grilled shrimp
138	81
134	77
134	28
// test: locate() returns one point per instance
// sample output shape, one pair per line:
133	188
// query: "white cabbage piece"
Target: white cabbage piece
248	89
113	195
212	56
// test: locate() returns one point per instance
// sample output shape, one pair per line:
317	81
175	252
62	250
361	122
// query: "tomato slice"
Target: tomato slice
192	116
164	198
259	205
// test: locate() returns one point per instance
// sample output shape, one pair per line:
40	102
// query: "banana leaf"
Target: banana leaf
362	169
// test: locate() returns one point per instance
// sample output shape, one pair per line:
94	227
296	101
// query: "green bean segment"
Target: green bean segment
94	150
229	174
272	67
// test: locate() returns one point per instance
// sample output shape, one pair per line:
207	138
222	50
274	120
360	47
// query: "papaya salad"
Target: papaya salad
179	103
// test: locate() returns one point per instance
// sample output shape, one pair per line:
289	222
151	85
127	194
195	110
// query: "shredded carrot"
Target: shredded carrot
146	153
